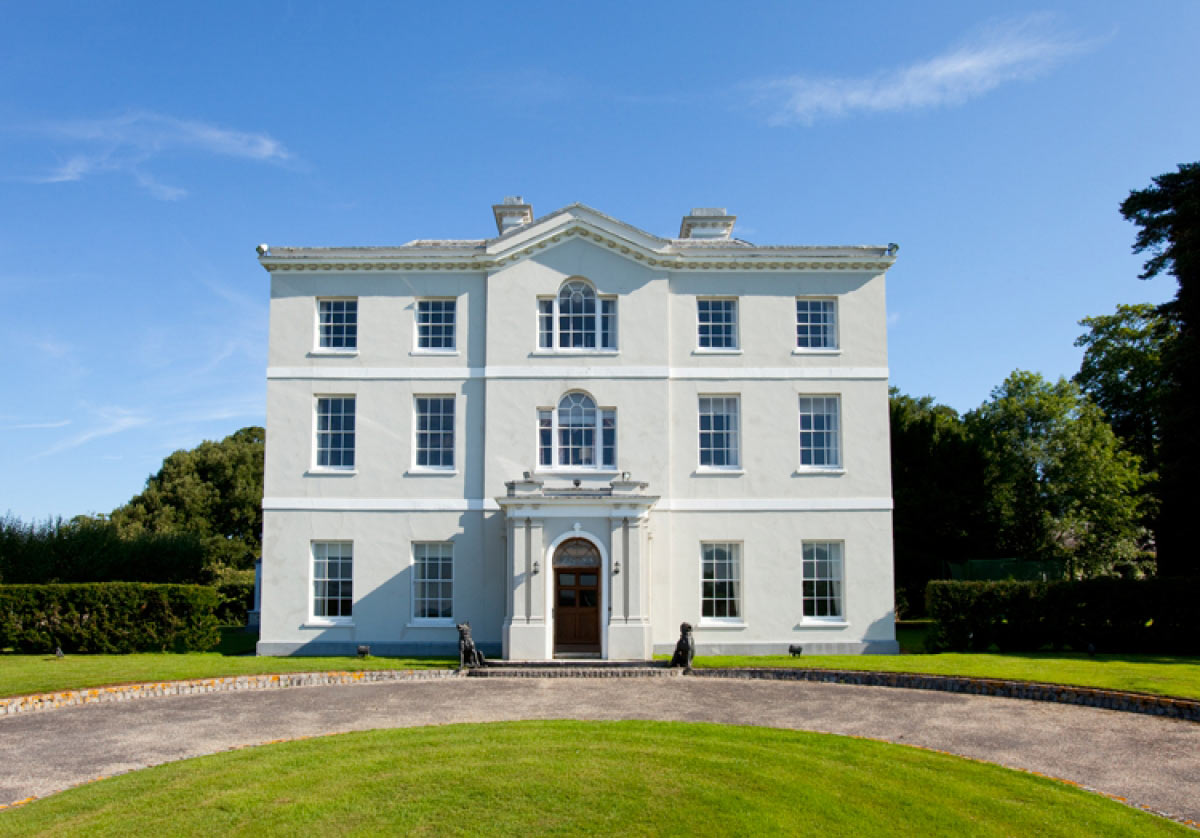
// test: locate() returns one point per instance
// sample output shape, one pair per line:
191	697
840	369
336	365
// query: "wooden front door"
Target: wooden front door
577	601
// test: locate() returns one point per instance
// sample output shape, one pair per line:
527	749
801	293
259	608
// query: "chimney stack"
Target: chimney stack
512	213
707	223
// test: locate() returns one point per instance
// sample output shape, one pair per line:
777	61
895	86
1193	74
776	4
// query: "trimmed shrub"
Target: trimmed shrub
1110	614
91	550
108	617
236	598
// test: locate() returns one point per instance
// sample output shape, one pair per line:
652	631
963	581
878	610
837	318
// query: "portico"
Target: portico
578	570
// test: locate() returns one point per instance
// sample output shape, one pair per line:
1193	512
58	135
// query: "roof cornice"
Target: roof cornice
580	222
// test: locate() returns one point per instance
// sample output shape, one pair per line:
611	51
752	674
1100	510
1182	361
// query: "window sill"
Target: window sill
441	353
577	472
805	471
801	351
718	472
811	623
572	353
318	623
333	353
718	624
331	472
417	471
700	350
439	623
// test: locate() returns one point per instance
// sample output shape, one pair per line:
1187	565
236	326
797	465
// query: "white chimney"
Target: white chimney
707	223
514	212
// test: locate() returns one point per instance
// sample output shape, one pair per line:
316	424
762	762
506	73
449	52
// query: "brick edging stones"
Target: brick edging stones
1127	702
201	686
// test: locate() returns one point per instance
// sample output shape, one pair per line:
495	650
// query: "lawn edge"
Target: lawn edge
1185	709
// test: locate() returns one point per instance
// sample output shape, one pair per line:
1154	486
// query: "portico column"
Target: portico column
524	631
629	625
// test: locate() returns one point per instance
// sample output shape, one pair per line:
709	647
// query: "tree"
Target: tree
1168	215
1060	485
214	492
1122	372
937	488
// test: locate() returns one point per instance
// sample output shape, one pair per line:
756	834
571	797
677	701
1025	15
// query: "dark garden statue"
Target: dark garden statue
468	656
685	649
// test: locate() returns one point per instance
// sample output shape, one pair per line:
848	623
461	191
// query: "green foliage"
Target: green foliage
1111	614
112	617
1059	485
91	550
938	489
1122	372
1168	216
235	599
213	492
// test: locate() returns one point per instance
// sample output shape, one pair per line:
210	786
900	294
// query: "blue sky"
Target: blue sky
146	148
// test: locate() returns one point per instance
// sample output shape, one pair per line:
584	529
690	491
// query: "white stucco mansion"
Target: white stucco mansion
575	436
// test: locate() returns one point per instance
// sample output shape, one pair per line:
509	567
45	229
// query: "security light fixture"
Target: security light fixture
363	651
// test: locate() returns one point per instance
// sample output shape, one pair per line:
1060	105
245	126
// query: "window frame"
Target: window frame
834	328
416	434
739	580
316	466
839	580
599	445
837	467
736	346
598	331
313	617
414	599
735	433
318	333
418	349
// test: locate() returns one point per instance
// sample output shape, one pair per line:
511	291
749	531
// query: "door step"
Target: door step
561	668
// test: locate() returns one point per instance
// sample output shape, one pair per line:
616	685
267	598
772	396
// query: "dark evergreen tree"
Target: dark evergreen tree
1168	216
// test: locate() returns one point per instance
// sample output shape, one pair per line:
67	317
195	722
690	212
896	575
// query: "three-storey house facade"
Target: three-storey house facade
575	436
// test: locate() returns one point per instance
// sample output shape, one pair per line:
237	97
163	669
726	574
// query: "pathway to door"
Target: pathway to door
1150	760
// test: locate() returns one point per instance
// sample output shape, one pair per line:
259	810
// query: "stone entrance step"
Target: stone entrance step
573	668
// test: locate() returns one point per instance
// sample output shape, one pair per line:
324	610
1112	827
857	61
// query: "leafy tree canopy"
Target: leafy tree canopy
1122	372
1060	486
213	491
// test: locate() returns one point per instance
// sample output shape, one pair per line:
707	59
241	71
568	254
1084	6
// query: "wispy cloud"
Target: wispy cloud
112	420
29	426
126	144
997	54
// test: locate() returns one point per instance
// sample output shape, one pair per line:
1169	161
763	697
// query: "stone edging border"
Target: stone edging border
201	686
1126	702
1176	708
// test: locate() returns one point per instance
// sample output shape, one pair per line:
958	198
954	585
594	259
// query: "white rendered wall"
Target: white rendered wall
499	378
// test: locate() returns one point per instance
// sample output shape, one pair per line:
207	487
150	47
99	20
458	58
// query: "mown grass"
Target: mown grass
581	778
25	674
1158	674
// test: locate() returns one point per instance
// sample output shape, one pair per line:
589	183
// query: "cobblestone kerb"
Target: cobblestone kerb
1176	708
200	686
1153	705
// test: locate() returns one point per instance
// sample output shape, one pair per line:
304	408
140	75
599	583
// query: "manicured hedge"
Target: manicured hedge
236	598
111	617
1111	615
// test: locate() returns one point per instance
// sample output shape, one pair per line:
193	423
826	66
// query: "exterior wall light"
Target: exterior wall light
616	567
537	567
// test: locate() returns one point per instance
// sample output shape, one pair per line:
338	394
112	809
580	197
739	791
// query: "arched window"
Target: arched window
577	434
577	318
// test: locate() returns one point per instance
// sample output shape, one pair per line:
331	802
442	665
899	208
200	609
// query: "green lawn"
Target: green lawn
24	674
1160	674
581	778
